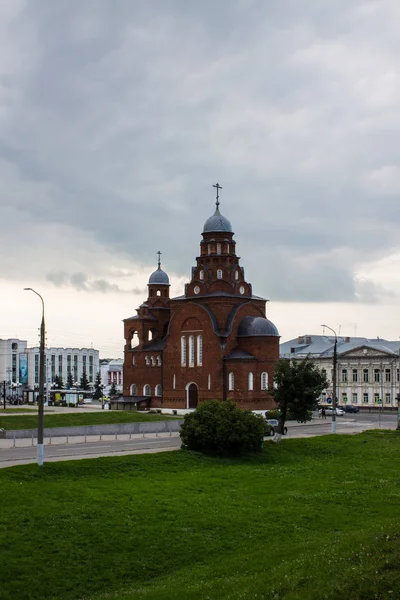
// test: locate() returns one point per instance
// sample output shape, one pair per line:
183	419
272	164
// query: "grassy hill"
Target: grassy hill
308	519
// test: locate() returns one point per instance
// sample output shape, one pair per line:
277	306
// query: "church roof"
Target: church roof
238	354
216	223
159	277
256	326
156	345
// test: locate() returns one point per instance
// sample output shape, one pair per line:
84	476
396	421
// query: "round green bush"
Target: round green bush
222	428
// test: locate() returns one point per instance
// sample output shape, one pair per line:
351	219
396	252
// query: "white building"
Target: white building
13	364
367	370
60	362
111	371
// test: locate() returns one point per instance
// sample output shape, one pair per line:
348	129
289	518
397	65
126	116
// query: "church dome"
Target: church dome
159	277
253	326
217	223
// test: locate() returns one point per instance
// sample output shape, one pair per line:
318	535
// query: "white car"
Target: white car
339	411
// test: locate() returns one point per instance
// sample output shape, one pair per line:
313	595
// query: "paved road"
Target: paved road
108	446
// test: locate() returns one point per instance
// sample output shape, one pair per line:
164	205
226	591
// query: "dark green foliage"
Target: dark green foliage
297	387
222	428
113	389
98	389
58	383
84	382
70	381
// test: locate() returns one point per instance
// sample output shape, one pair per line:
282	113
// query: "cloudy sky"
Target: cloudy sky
117	117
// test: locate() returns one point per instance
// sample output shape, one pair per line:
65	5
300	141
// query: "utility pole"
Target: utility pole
334	380
40	446
4	394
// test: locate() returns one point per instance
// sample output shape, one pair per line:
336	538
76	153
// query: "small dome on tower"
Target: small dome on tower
159	277
217	223
253	326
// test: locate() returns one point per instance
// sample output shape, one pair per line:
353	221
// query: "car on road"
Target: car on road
273	424
351	409
329	411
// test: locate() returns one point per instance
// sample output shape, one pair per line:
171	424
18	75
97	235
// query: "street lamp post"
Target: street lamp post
334	385
40	446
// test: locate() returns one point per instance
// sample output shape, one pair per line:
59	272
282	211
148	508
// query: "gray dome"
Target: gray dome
217	223
159	277
250	326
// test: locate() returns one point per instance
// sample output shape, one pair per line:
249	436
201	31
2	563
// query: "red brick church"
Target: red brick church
213	342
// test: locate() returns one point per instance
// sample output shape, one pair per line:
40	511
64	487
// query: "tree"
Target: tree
70	381
113	389
98	387
84	382
297	387
222	428
58	382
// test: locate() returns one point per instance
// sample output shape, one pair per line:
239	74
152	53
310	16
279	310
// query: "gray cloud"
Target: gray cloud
81	282
123	116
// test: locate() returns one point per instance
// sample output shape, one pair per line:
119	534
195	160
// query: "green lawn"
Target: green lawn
84	418
308	519
16	410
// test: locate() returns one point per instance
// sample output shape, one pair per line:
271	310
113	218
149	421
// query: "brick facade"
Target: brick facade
214	342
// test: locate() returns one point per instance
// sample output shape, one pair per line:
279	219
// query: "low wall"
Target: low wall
146	427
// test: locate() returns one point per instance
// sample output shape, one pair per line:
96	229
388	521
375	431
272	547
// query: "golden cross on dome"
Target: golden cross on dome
218	188
159	259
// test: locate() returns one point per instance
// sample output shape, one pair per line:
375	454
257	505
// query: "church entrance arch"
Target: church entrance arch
192	395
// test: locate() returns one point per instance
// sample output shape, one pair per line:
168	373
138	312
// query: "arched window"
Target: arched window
146	390
231	382
236	275
199	350
134	360
250	382
174	382
133	390
209	382
135	340
158	390
209	248
150	335
218	248
183	351
147	360
201	274
264	381
219	274
153	361
191	351
159	361
158	293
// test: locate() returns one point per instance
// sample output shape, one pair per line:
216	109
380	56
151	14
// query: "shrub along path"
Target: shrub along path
108	417
304	520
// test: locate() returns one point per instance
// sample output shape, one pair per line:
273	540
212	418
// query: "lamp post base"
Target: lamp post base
40	454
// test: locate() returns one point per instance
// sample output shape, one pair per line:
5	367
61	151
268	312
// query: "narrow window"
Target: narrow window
344	375
355	398
231	382
159	361
199	350
264	381
201	275
387	375
376	375
344	397
133	360
365	398
209	248
147	360
236	275
153	361
218	248
365	377
376	398
387	399
209	382
158	390
250	382
355	375
227	248
191	351
133	389
219	274
174	382
146	390
183	351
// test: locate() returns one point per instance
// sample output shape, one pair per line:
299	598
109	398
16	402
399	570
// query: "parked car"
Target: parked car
273	424
339	411
351	409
